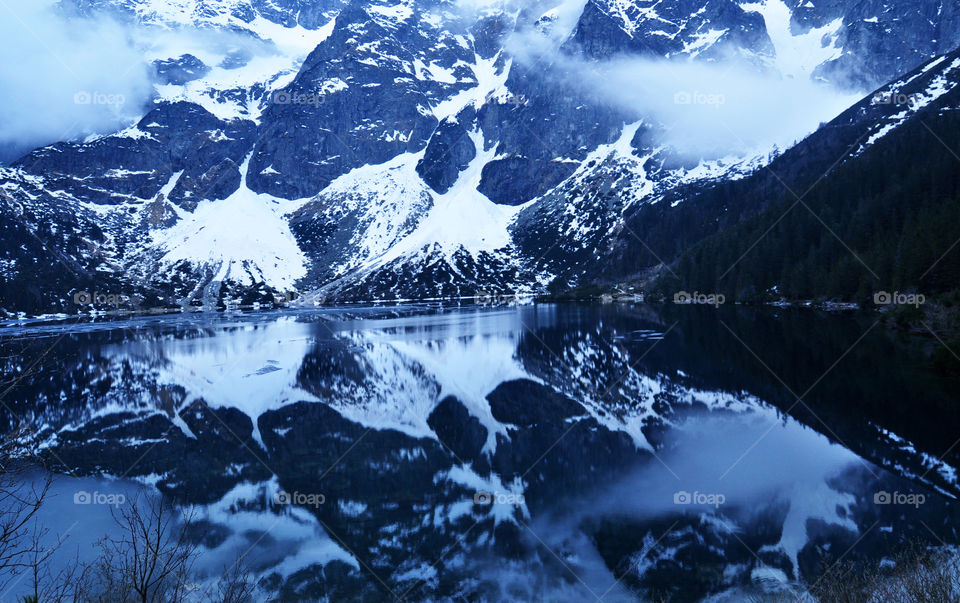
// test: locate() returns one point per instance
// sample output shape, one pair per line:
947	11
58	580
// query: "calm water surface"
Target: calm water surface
536	452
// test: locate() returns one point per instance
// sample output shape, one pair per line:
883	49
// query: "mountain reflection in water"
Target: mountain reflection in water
541	451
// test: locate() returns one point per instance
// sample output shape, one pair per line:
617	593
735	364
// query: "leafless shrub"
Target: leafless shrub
40	580
149	560
236	586
152	560
918	575
925	577
23	488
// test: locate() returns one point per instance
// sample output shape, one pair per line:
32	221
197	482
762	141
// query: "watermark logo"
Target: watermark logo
485	499
899	498
85	298
493	297
698	498
896	98
85	97
82	497
885	298
285	297
505	99
699	98
299	498
704	299
283	97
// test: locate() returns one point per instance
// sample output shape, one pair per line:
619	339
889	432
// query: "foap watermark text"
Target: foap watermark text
113	499
86	97
704	499
86	298
699	98
697	298
899	498
896	98
283	97
885	298
498	498
302	499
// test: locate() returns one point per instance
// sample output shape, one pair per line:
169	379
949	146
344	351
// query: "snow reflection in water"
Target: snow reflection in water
523	452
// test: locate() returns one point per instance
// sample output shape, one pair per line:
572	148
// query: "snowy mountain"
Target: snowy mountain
369	150
875	192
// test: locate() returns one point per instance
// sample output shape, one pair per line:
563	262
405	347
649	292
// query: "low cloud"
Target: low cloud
713	109
65	76
705	109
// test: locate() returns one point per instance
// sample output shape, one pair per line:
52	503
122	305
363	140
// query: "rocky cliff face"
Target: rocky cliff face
361	150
